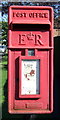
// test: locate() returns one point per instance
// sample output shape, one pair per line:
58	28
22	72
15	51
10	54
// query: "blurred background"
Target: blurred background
4	62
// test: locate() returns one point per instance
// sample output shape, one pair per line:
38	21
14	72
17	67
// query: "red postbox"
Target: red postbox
30	59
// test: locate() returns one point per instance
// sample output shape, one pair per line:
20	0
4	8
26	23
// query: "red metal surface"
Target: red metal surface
30	27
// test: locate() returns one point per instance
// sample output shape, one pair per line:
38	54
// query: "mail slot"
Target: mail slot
30	59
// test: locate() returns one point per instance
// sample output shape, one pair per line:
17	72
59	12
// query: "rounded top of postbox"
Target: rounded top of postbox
30	14
33	7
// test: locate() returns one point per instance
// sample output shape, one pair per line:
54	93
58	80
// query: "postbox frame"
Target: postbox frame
11	48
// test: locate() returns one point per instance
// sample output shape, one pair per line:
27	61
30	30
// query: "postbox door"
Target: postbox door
32	84
41	83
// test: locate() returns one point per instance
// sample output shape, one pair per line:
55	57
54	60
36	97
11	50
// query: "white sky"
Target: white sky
0	16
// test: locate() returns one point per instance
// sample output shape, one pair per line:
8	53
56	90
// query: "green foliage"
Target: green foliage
4	32
3	76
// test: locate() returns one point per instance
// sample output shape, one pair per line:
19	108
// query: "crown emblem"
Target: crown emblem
30	36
